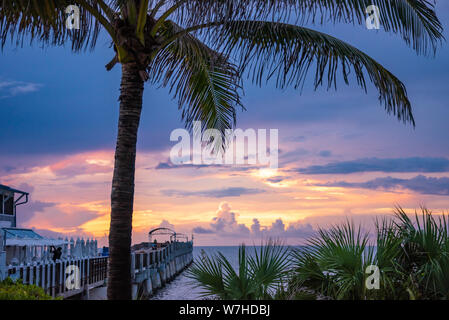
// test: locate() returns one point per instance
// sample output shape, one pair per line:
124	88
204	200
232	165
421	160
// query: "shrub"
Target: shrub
258	276
16	290
412	256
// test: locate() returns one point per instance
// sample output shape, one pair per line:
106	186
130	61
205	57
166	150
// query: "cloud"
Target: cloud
167	165
214	193
13	88
49	233
325	153
278	230
295	139
225	224
420	184
300	152
201	230
29	210
415	164
81	164
165	224
164	165
77	233
52	215
276	179
292	156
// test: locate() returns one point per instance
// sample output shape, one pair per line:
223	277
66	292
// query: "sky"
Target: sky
340	155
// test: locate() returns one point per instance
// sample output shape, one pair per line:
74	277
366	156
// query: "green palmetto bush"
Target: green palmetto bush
258	276
411	255
16	290
333	263
425	252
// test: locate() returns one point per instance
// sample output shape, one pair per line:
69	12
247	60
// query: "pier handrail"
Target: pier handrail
65	277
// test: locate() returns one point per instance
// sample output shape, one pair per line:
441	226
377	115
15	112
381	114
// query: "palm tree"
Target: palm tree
259	275
201	49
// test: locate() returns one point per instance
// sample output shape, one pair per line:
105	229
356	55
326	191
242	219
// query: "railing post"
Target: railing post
133	265
96	247
82	248
65	248
3	267
25	272
88	271
31	273
141	262
48	277
61	278
53	279
44	276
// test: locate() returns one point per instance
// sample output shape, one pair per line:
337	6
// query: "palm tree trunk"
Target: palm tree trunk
122	195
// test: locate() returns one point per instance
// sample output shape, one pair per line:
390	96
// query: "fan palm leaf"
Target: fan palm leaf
257	276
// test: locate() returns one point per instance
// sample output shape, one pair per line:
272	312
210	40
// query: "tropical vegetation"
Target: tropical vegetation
16	290
409	256
202	50
260	274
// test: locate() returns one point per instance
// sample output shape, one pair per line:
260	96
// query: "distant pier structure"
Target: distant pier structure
72	268
154	263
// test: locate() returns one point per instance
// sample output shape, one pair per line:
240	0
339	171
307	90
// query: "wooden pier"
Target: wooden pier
152	269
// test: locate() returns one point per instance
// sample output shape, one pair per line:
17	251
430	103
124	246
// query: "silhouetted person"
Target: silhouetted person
57	253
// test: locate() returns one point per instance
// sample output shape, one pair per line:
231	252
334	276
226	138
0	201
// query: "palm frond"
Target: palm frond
239	284
334	262
205	82
44	21
414	20
425	245
269	266
207	274
286	52
256	276
388	256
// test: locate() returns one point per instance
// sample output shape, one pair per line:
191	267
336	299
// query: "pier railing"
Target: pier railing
145	258
64	277
151	269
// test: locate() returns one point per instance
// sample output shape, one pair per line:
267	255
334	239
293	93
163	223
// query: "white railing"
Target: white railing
65	277
145	259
